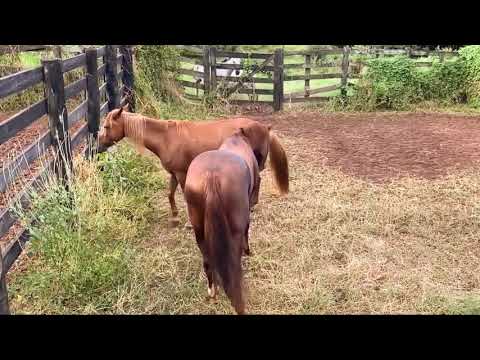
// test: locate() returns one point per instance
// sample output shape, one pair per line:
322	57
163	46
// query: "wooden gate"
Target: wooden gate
265	68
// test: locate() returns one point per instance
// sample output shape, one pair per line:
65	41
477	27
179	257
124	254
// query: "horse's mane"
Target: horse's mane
134	127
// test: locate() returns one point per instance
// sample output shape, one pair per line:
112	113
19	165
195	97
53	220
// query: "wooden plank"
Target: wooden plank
58	118
75	88
313	77
111	77
93	102
206	71
191	72
79	135
14	83
189	60
313	52
11	170
191	49
128	77
345	65
101	70
4	306
240	67
310	66
103	90
245	78
254	79
11	126
7	49
257	91
73	63
191	84
7	215
267	102
78	113
101	51
315	91
15	249
213	68
232	54
307	75
278	77
288	99
104	109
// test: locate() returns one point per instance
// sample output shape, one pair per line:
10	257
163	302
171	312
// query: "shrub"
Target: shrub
397	83
471	57
444	81
157	67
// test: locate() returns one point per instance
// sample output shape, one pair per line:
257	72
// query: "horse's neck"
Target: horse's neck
153	135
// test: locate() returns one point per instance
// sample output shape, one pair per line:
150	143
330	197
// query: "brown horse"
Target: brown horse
220	188
177	143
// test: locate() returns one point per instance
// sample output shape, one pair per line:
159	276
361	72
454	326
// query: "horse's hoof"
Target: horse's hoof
173	222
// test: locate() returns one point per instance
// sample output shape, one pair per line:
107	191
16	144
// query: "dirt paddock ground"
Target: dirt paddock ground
383	216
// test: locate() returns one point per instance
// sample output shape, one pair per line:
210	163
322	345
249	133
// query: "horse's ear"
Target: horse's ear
117	115
126	107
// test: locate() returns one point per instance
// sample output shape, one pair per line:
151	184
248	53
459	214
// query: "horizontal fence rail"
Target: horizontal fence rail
117	85
340	63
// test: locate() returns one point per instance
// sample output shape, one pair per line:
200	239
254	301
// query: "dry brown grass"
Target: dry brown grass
335	245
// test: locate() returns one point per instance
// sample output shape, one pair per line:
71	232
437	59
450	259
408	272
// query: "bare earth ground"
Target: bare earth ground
350	237
373	222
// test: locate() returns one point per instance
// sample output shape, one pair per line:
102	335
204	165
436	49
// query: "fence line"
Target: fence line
345	71
118	87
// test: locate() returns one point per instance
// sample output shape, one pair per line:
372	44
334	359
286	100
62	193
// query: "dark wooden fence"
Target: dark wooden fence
115	69
280	69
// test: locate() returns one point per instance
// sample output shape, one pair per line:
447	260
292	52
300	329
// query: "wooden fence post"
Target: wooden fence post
278	80
58	118
345	66
4	308
113	92
307	74
128	77
213	69
206	71
93	101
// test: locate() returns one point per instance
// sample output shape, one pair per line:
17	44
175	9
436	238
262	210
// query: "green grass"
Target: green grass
30	59
82	258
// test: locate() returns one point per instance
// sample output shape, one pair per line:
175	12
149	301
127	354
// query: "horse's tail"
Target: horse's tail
279	164
218	236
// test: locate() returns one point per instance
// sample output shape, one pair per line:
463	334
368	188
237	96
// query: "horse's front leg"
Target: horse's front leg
173	221
181	177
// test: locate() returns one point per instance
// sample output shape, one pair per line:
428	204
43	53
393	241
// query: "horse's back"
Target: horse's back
233	177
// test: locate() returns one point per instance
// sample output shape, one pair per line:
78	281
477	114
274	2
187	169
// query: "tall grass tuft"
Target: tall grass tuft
82	256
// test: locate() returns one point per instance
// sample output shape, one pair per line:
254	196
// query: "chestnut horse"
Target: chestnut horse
220	188
177	143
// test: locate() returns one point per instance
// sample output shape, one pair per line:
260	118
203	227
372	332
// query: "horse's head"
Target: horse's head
258	136
112	130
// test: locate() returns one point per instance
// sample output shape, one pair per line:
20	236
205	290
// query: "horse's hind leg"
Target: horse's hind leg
196	218
246	249
212	289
